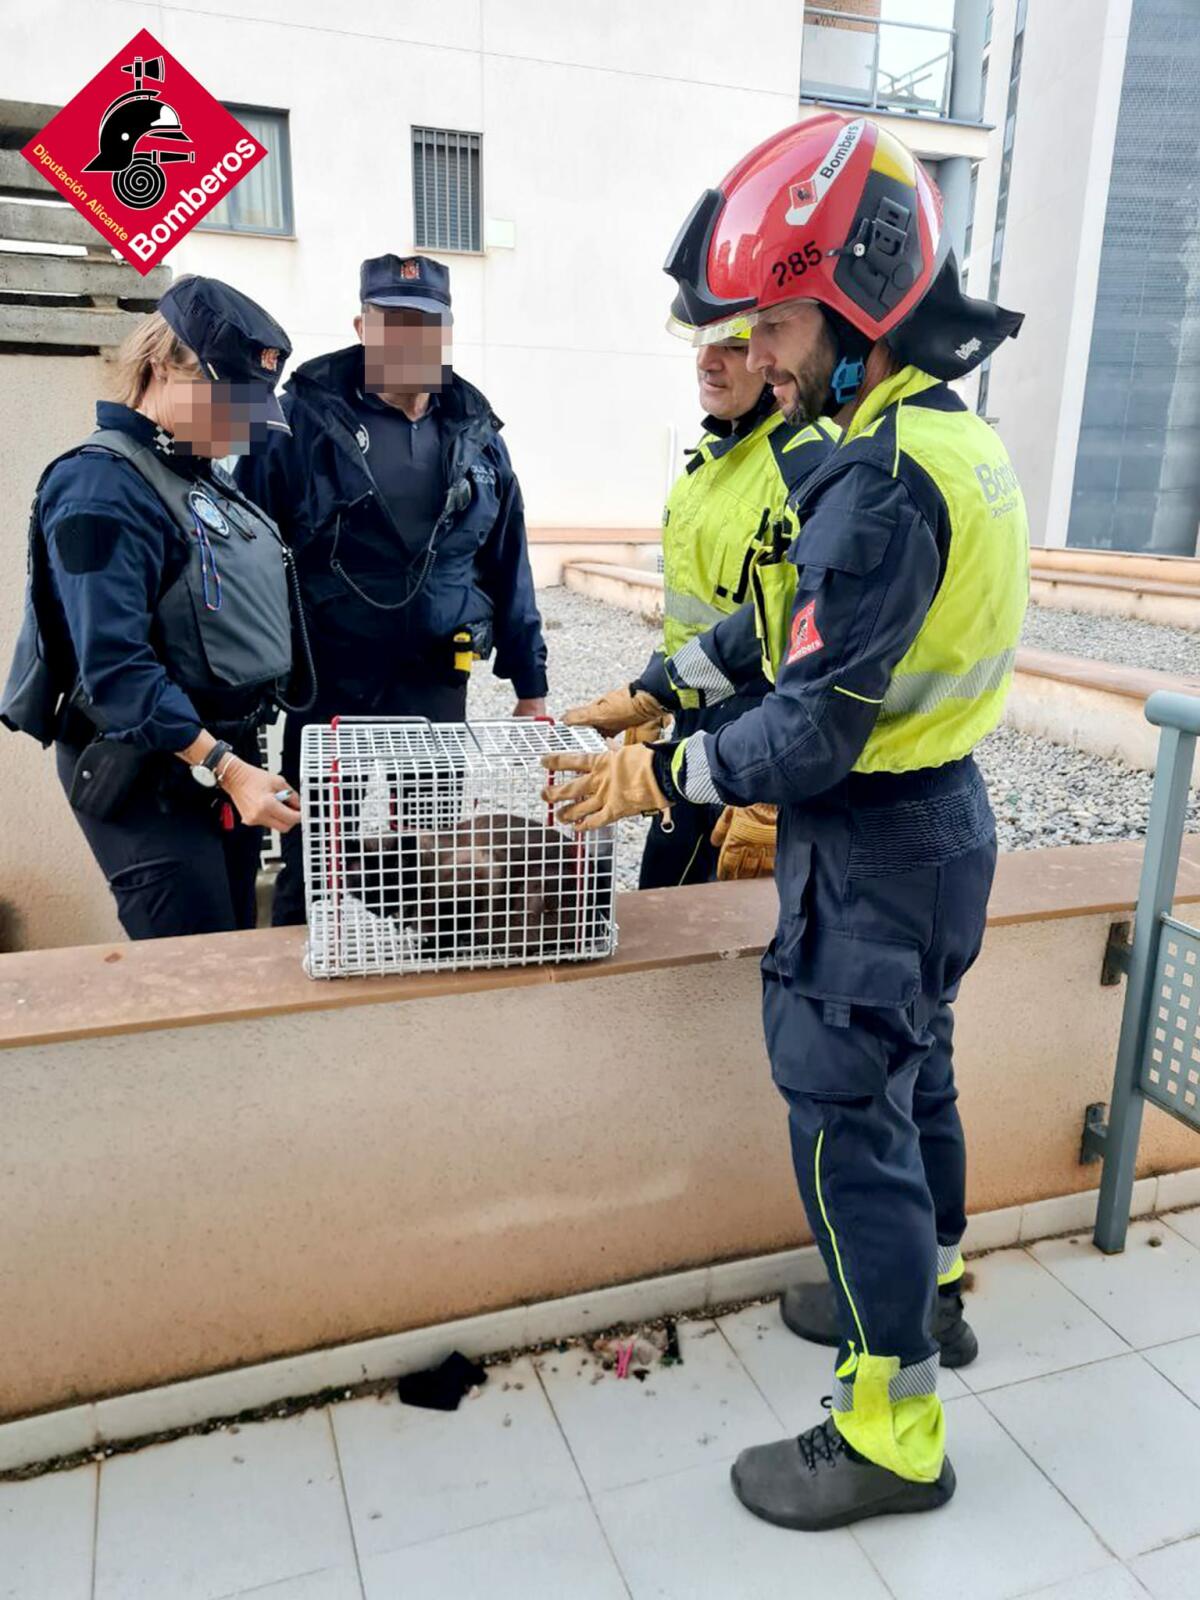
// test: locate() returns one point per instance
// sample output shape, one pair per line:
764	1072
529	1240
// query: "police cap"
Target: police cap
412	282
236	342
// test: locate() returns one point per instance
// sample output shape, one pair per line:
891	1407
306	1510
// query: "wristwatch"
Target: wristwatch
205	772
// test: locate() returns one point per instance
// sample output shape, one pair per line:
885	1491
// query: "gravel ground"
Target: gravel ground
1117	639
592	647
1043	794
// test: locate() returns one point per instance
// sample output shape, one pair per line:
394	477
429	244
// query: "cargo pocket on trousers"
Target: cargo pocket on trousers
833	1006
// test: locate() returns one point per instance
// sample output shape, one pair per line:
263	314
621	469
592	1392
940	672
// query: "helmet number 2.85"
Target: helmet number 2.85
796	264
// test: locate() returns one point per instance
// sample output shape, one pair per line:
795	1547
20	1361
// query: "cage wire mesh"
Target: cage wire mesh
428	848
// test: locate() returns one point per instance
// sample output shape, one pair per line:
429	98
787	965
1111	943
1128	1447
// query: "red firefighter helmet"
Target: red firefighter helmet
833	209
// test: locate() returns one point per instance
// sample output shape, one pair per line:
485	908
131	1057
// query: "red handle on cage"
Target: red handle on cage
334	811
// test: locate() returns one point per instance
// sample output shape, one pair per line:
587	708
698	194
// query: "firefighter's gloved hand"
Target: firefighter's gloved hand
650	731
616	711
618	783
745	837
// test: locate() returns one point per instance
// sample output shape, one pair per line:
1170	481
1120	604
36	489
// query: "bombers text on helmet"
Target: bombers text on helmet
832	210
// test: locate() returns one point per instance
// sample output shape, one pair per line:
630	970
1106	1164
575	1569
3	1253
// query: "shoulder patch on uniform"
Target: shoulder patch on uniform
805	638
85	541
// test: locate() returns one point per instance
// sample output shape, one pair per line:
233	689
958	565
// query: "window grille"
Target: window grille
447	201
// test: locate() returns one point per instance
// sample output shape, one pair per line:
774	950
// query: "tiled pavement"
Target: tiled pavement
1075	1436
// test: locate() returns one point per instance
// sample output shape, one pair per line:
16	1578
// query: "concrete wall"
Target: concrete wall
226	1192
1070	86
51	891
601	125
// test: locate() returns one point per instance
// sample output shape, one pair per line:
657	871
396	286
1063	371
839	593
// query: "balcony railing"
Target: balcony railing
858	60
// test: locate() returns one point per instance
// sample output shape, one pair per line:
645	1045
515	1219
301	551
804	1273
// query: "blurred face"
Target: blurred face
727	389
209	419
792	349
405	352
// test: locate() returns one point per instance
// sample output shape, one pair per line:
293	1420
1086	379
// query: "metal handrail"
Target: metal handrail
876	24
1137	1079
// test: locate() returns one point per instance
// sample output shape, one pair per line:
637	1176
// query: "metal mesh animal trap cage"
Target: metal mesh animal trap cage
428	847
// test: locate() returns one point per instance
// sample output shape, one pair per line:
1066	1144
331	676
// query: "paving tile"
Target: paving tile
1029	1323
340	1583
556	1552
1120	1444
413	1475
46	1527
1180	1363
215	1515
1113	1582
1006	1532
793	1374
1173	1573
622	1431
685	1537
1150	1293
1186	1223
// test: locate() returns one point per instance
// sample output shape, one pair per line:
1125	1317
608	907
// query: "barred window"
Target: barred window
447	208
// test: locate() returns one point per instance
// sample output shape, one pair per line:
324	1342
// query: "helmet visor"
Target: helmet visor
737	327
716	332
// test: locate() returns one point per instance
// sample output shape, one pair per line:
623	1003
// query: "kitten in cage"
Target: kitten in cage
501	884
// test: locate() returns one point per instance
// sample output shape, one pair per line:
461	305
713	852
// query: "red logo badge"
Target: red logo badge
410	269
803	193
806	639
143	152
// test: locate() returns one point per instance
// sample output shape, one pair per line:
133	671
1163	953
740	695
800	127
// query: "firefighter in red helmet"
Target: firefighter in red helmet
886	616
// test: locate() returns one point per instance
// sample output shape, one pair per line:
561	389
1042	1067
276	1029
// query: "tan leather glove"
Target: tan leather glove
650	731
618	783
745	836
616	711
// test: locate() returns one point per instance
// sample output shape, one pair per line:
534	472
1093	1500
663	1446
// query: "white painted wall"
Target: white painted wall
1073	60
602	121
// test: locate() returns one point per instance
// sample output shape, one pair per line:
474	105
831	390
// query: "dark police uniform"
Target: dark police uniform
406	534
158	606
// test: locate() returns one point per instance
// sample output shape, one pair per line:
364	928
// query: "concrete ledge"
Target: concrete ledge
630	587
596	536
93	991
1168	605
1091	705
1124	565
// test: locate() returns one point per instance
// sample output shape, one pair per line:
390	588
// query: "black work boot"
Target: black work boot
954	1334
818	1481
810	1310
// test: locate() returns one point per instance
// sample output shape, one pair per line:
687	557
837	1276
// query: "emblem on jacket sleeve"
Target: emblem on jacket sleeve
806	639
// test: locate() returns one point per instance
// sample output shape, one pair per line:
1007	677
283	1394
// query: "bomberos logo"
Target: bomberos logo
143	151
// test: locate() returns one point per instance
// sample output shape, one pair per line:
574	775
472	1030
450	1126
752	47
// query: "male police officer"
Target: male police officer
399	500
891	633
736	483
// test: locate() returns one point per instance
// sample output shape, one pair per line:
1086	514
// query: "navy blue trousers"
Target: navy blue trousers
171	866
857	994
